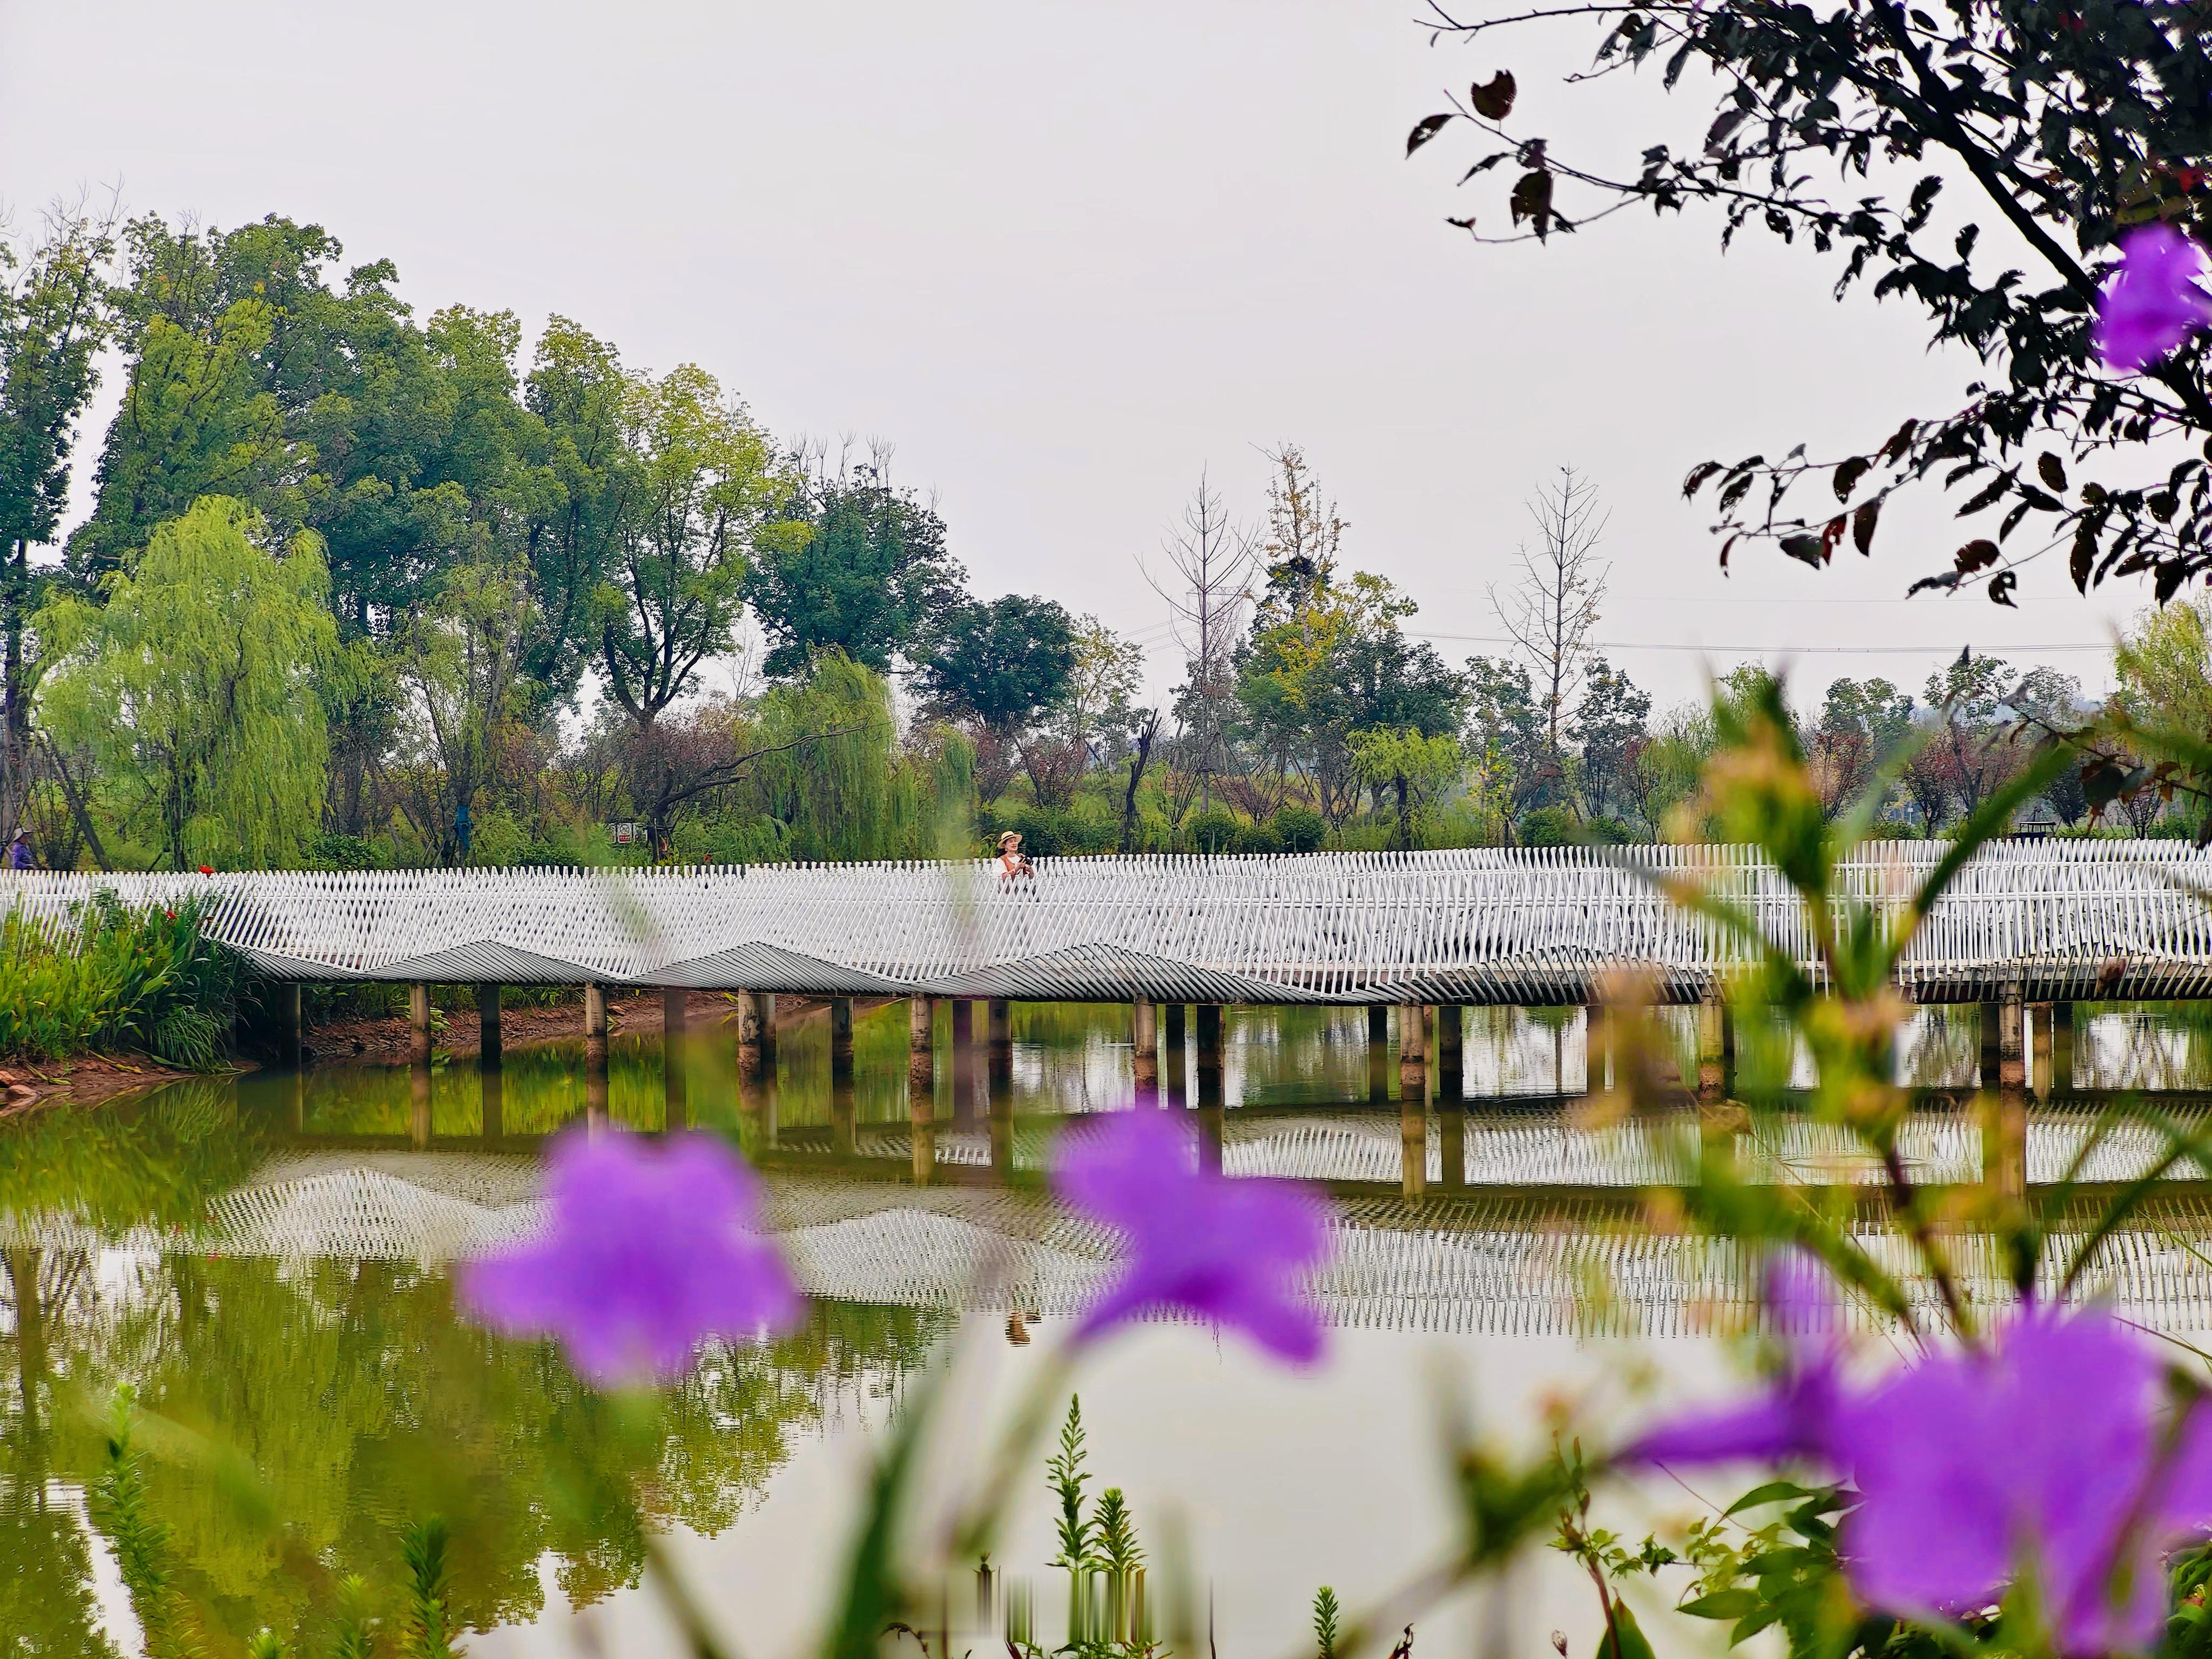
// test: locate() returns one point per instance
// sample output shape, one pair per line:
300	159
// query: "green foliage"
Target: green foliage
1300	829
1549	826
115	978
1215	830
1064	1474
866	574
1325	1612
1001	664
426	1626
193	684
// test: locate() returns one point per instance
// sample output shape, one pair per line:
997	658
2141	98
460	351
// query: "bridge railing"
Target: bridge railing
1529	925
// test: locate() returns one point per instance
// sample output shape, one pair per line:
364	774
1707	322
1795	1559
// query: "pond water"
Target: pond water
263	1261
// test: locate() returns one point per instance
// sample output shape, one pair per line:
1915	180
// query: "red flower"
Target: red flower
205	870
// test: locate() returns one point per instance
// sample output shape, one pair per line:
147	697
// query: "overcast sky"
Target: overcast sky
1063	257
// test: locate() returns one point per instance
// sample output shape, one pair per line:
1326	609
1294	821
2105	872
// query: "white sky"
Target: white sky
1063	257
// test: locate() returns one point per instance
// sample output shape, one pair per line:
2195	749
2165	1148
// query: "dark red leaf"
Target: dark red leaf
1493	99
1427	128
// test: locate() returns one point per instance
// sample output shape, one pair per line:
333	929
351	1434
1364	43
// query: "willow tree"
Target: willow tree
193	684
835	794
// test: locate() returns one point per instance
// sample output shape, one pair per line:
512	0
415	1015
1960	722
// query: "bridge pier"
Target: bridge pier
755	1032
1209	1086
843	1114
1001	1110
841	1038
488	1058
964	1061
1713	1045
1599	1076
2062	1047
595	1087
1451	1082
1378	1053
493	1125
290	1025
1177	1062
2038	1057
595	1023
418	1115
418	1024
1146	1060
1002	1047
922	1085
1412	1099
2006	1154
1991	1017
675	1054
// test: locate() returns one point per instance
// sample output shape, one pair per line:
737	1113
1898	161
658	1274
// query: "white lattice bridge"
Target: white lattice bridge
2056	920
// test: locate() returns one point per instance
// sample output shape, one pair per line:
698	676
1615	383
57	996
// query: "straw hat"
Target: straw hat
1013	836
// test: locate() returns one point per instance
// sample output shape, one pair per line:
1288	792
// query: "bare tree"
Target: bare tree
1211	561
1552	609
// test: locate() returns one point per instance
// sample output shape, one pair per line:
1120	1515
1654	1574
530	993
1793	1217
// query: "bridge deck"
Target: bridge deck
2058	919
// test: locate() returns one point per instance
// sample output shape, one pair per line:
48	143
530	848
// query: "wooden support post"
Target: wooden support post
1991	1019
290	1024
418	1024
595	1084
2038	1056
1598	1071
1174	1063
921	1057
1412	1099
1378	1053
964	1061
840	1038
1002	1049
2061	1048
1146	1060
675	1054
418	1117
1712	1023
494	1127
1451	1083
749	1034
1210	1127
2009	1148
487	1046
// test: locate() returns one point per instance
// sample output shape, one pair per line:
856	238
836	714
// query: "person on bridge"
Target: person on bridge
1012	866
19	852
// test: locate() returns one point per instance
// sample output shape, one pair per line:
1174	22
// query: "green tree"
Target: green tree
1001	664
461	662
706	480
1415	769
1611	721
193	685
54	318
1862	723
862	568
2065	125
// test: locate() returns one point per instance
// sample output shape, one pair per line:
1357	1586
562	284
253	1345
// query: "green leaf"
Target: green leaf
1623	1639
1774	1491
1723	1604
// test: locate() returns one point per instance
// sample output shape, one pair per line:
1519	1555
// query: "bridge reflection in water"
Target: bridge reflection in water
1509	1213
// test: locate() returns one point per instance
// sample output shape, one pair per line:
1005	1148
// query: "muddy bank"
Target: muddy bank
385	1040
80	1080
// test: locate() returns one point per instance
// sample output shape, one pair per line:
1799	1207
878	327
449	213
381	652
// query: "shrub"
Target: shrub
1259	838
1550	826
118	978
1300	829
1213	830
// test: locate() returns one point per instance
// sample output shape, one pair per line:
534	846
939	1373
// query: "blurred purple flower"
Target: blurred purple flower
647	1255
1228	1251
2044	1454
2154	302
1792	1419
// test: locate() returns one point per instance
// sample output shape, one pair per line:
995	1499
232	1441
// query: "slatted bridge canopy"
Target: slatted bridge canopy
2056	919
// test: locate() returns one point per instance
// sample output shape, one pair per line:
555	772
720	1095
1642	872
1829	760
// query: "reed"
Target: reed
114	976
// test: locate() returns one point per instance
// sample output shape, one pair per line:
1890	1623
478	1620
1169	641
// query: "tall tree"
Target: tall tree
2064	125
1506	728
193	684
1208	589
1001	664
1612	719
1551	609
54	316
862	569
1861	724
706	479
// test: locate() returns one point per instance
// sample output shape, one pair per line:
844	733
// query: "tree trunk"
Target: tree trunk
15	695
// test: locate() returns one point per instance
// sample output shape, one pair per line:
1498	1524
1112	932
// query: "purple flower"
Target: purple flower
1228	1251
2043	1454
648	1254
1792	1419
2154	302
